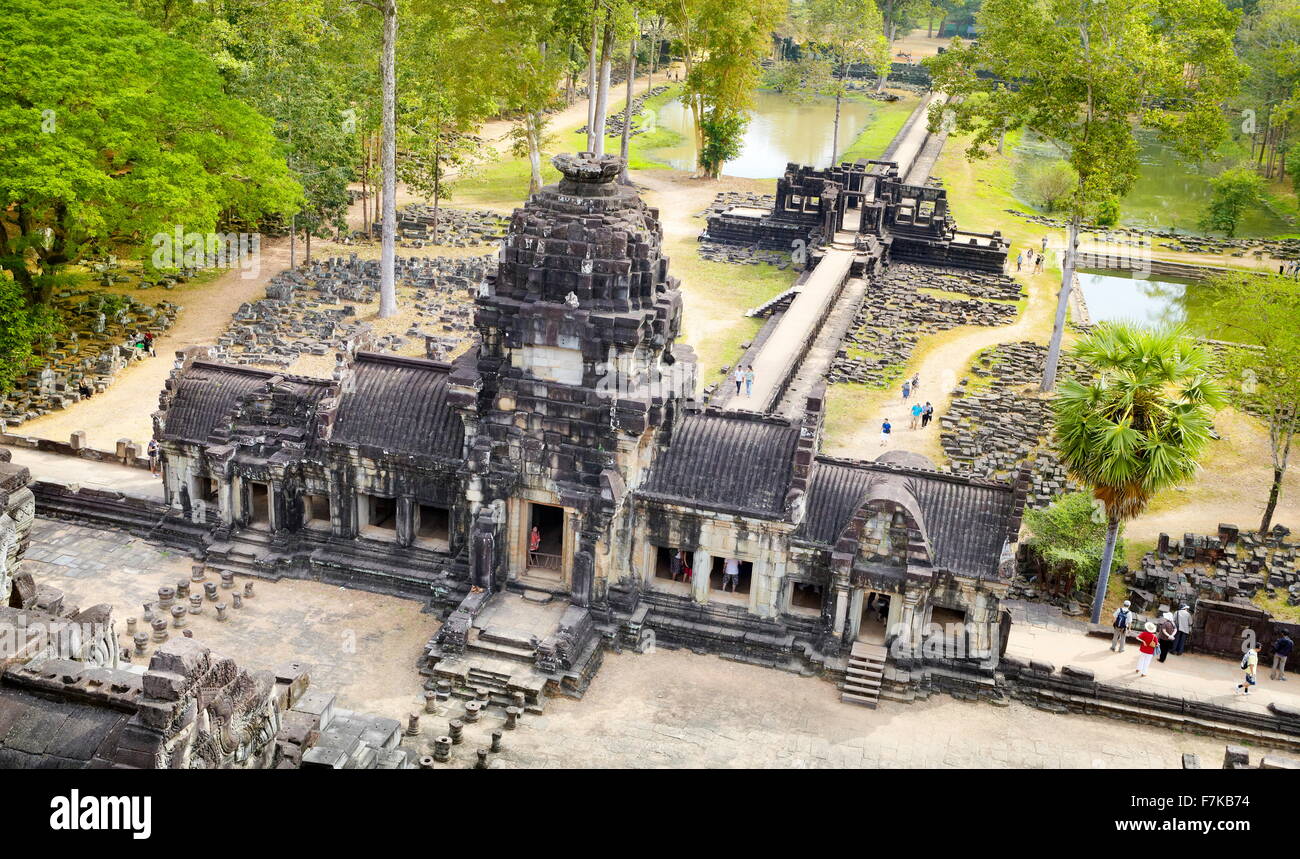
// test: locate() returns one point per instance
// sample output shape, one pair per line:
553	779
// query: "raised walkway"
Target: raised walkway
784	349
71	470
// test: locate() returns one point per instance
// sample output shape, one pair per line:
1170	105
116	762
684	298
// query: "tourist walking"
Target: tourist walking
1044	244
84	390
927	414
885	429
730	574
1182	620
916	382
1250	664
917	409
1122	622
739	378
153	453
1281	650
1020	260
1038	264
907	390
1168	632
1147	641
148	342
749	380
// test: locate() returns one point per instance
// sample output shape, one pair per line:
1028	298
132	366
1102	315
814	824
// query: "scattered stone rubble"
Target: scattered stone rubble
992	433
459	228
740	255
312	310
98	339
895	314
614	122
1232	566
1176	241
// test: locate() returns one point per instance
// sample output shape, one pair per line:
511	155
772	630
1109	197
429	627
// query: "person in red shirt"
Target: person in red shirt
1147	640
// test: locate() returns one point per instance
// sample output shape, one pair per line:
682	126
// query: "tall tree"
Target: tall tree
1269	43
1232	193
1137	426
1265	311
388	157
114	132
1085	71
722	44
848	32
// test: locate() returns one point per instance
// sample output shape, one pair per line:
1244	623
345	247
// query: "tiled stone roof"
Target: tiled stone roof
965	521
726	461
205	394
399	404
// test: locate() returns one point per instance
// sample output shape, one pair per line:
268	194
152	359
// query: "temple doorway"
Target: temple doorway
673	577
737	592
545	547
259	505
874	622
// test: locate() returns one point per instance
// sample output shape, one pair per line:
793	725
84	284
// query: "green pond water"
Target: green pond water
780	131
1169	194
1115	296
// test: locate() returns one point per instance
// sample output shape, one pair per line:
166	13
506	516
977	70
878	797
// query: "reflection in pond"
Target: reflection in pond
780	131
1115	296
1169	194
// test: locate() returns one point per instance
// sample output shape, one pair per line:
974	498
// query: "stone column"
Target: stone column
405	520
702	564
226	500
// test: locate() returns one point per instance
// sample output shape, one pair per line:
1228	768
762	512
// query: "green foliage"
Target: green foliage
23	327
722	139
1234	191
1069	537
1140	422
114	132
1085	71
1051	183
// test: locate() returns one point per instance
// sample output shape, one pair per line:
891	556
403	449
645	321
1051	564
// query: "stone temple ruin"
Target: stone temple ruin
548	489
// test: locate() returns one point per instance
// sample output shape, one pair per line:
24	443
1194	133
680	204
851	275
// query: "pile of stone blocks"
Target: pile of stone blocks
614	122
1231	566
460	228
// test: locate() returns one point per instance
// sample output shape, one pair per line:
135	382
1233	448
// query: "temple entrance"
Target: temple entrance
378	517
945	635
545	544
316	511
664	578
259	506
874	622
735	592
433	526
805	599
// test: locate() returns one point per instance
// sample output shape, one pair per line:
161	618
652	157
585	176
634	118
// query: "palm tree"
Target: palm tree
1138	426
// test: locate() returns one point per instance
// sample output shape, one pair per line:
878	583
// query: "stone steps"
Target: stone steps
864	675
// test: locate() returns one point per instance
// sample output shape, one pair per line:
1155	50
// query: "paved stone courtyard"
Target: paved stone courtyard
661	709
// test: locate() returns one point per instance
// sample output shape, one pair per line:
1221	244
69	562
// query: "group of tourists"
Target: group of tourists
1168	634
921	415
1290	269
679	566
1034	258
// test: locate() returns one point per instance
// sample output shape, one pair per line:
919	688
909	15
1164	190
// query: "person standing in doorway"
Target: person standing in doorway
534	543
1147	641
749	380
730	574
1168	631
917	409
1281	650
1250	664
1182	620
885	429
927	414
675	564
1123	621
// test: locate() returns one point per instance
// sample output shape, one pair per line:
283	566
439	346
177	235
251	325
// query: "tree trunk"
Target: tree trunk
1062	304
533	136
388	254
1274	491
591	77
602	95
307	233
623	178
839	97
1103	574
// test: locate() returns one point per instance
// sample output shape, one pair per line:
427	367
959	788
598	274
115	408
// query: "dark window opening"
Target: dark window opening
805	598
875	618
545	537
260	507
433	524
316	511
741	585
381	513
209	489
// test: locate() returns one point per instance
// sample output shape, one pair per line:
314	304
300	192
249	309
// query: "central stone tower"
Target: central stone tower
577	369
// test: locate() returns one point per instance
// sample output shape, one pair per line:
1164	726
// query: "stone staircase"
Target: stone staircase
864	675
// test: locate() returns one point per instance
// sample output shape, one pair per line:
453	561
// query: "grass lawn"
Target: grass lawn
884	127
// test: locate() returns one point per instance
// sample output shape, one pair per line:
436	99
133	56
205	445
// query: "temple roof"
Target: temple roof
399	404
966	521
206	393
727	461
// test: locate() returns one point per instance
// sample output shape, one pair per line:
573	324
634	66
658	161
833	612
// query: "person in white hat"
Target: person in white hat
1147	640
